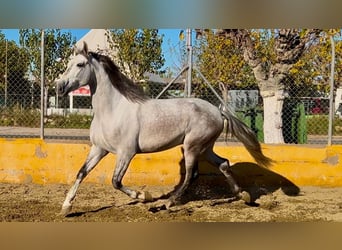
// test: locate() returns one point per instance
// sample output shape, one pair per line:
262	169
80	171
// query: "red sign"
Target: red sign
82	91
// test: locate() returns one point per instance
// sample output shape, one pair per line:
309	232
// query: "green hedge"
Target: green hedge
18	117
318	125
68	121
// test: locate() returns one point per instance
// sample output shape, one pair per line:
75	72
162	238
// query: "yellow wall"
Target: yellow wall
39	161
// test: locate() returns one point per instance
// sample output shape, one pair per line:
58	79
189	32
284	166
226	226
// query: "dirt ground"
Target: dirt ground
203	202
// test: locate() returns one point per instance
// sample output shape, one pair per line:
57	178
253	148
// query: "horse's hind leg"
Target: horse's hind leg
224	167
190	157
195	171
94	156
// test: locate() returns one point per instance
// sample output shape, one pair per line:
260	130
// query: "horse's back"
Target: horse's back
194	105
166	123
180	111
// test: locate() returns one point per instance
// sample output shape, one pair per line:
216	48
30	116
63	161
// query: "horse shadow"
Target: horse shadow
252	178
210	184
79	214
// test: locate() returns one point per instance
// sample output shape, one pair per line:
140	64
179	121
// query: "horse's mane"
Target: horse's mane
123	84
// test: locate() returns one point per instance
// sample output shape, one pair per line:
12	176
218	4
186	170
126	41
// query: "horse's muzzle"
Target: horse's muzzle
61	87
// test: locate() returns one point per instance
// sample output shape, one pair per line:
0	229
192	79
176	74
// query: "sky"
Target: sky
171	39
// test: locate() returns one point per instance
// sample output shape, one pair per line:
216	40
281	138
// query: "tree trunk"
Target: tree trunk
273	105
271	87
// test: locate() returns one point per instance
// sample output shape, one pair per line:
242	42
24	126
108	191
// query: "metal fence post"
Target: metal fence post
331	101
42	88
6	72
189	48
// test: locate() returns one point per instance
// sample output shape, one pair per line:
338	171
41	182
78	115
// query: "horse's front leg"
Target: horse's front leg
94	156
121	166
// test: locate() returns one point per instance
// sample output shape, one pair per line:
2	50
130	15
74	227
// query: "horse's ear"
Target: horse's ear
82	49
85	48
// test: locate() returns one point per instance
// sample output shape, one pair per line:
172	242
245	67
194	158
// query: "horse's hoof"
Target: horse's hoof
245	196
172	202
65	211
145	196
169	204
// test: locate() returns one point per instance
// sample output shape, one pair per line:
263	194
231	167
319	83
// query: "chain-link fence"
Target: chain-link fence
305	106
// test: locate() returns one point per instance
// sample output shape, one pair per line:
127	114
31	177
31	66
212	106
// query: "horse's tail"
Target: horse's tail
244	134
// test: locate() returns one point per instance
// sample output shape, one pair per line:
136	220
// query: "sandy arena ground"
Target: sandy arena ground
203	202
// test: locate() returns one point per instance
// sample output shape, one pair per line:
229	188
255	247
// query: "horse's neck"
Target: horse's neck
105	96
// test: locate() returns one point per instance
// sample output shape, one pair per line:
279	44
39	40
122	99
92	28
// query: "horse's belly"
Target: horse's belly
160	140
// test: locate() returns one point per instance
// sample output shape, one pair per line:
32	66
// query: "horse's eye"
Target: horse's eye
82	64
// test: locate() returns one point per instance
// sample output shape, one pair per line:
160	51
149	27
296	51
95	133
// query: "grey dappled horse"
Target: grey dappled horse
126	122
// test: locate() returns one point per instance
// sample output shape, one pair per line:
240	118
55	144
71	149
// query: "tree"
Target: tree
222	64
57	50
137	51
14	85
226	62
310	76
271	67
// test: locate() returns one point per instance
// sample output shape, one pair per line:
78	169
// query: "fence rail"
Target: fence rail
302	116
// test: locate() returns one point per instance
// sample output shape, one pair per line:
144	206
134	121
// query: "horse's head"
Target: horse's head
78	72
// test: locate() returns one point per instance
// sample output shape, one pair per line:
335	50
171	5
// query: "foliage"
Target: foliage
247	58
296	60
23	117
17	116
69	121
318	125
311	74
14	62
137	51
57	50
221	61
